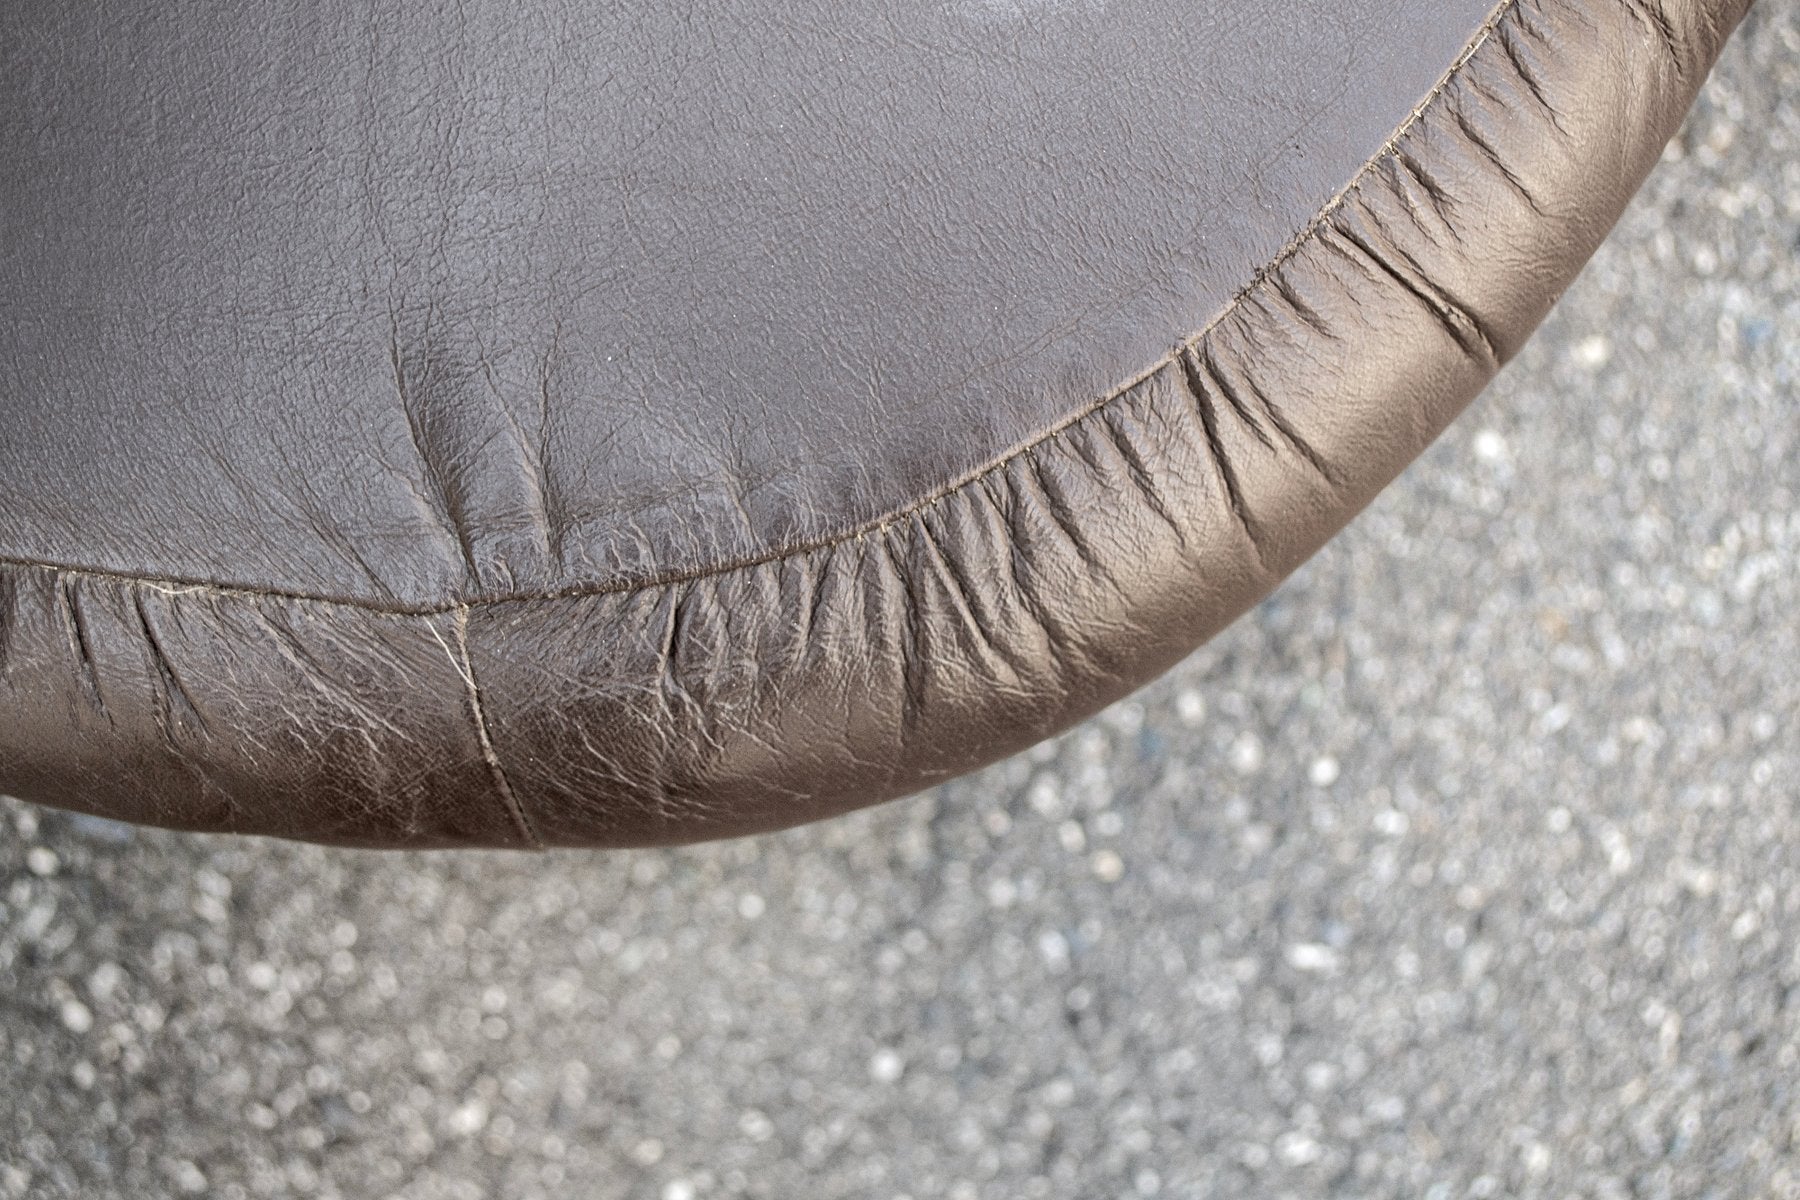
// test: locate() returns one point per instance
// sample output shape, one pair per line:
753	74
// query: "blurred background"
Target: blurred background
1468	865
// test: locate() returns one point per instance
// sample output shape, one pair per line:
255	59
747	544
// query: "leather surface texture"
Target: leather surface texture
524	425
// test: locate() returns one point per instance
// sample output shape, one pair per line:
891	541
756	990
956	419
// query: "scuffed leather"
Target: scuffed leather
832	653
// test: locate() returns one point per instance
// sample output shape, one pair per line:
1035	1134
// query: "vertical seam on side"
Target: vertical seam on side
502	785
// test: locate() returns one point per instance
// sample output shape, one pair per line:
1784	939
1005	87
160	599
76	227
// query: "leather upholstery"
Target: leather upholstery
525	425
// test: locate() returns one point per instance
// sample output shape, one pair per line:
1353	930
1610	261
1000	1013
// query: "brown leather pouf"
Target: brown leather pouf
510	423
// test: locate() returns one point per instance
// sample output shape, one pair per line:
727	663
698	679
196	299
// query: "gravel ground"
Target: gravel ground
1468	865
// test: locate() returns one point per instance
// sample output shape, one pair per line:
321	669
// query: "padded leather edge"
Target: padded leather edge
975	623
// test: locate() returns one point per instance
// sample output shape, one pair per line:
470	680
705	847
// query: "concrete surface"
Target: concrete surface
1469	865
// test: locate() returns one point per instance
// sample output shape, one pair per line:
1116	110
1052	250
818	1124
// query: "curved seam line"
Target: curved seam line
179	586
502	785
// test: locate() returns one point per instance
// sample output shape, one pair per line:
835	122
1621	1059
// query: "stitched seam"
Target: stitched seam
876	525
503	786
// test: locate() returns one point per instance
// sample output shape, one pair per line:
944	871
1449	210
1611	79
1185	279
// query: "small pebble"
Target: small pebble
886	1066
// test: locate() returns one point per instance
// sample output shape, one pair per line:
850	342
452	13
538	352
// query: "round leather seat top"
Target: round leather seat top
516	424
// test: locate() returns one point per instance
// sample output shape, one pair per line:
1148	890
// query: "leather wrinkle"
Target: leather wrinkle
1175	358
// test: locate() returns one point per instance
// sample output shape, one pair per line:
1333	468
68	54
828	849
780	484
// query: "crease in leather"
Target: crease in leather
982	618
1170	360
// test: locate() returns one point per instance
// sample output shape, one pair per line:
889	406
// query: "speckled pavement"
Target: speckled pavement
1466	866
